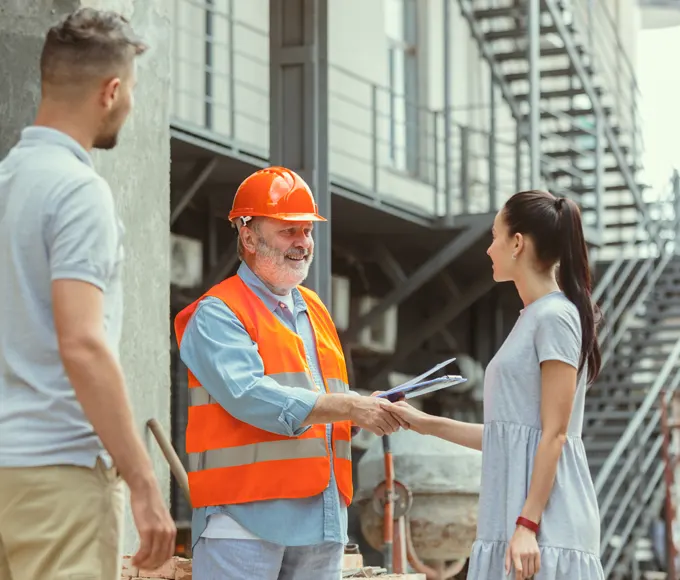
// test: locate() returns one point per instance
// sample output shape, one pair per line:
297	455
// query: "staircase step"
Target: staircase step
500	12
549	73
522	54
564	172
516	33
559	94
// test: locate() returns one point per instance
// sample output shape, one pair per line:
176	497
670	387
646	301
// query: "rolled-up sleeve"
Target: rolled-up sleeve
220	353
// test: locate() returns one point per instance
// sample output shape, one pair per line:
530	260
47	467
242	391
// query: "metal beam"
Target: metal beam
393	270
534	33
298	57
588	87
422	275
198	177
433	324
224	265
389	264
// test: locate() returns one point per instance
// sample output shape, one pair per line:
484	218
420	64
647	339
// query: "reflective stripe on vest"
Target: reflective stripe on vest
272	451
199	396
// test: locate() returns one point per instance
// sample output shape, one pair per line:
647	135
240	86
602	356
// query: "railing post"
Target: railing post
435	155
634	120
374	138
534	32
232	75
493	193
464	168
676	204
448	121
599	175
518	155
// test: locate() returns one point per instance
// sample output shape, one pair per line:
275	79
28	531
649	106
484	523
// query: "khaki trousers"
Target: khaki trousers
60	522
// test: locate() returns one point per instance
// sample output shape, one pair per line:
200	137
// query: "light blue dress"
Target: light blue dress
569	537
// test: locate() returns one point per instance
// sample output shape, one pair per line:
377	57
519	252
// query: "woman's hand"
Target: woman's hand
416	419
523	553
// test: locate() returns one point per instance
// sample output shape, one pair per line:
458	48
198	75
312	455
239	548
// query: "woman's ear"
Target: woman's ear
518	246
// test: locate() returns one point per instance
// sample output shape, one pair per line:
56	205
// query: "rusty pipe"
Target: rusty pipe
388	514
171	456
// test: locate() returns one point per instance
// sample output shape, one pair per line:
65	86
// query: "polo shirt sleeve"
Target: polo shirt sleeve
82	234
221	355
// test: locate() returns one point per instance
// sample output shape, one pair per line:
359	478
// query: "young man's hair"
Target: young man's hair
88	45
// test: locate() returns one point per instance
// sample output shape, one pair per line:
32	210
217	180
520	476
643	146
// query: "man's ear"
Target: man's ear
247	239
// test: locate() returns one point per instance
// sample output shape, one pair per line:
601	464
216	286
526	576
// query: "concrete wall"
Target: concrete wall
138	171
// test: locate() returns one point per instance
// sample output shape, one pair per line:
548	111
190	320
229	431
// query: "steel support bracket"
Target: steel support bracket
422	275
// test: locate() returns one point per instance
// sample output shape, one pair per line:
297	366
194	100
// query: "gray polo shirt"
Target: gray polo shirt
57	220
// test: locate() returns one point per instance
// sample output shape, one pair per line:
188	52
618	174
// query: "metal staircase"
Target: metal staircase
589	149
589	134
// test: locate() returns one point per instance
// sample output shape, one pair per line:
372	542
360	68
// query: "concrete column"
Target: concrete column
138	171
298	60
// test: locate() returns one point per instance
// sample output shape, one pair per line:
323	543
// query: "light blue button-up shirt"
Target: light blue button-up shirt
222	356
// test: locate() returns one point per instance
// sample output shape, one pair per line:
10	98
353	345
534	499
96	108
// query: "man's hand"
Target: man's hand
374	414
154	524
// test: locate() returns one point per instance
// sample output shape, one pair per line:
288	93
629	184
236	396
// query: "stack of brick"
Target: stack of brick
180	569
175	569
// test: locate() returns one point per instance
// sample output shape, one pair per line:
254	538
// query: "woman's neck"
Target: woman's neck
531	287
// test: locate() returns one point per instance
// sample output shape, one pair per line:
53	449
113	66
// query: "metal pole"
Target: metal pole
518	155
493	193
374	138
232	74
464	168
534	32
599	175
668	476
435	152
448	179
388	515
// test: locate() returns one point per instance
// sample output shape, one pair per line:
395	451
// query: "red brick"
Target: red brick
166	571
183	569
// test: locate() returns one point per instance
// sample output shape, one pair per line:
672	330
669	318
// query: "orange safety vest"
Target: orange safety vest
232	462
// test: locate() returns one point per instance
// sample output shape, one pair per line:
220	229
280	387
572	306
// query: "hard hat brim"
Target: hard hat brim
286	217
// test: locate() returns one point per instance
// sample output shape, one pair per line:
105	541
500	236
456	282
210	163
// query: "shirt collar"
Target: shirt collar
270	299
36	134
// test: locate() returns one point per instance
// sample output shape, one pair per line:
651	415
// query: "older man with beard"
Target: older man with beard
271	414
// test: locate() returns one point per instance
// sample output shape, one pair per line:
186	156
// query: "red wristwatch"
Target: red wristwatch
525	523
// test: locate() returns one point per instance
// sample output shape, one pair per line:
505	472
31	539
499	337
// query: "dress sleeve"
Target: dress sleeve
558	335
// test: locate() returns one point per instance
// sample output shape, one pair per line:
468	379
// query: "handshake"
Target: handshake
380	416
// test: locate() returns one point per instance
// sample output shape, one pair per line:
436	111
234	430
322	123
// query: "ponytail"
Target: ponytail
555	226
574	280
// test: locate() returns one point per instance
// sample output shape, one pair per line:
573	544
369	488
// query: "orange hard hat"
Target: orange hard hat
275	192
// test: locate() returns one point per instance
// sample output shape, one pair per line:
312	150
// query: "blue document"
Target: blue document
417	386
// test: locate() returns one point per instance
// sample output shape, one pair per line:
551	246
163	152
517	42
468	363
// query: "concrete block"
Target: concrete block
352	561
128	569
166	571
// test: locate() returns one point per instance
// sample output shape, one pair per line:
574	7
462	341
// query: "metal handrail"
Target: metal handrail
650	399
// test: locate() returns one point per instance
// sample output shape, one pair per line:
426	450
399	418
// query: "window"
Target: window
401	29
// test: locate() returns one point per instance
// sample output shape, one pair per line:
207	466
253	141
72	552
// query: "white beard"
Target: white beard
279	271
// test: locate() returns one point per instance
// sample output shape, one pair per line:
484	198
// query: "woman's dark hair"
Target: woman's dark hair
554	225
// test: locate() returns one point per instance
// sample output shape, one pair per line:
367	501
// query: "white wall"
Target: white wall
358	53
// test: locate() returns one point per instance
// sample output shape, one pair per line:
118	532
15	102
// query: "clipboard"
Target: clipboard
417	387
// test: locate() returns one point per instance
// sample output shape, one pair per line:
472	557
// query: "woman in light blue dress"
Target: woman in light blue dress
538	515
